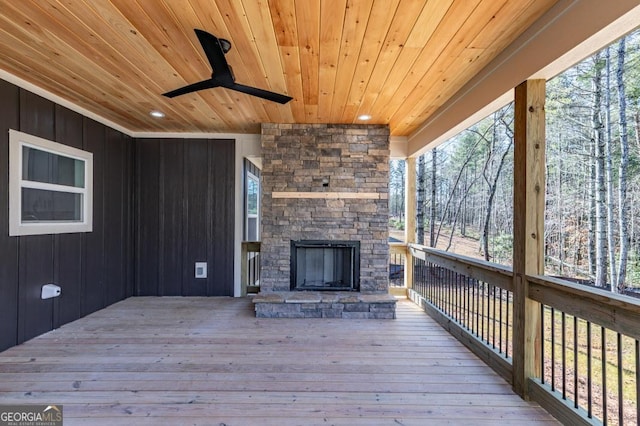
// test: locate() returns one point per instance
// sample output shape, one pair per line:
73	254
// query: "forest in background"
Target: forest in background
592	229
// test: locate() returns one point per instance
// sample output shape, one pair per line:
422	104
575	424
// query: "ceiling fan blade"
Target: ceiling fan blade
206	84
222	74
264	94
215	54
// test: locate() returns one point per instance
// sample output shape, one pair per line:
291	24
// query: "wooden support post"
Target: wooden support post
409	217
528	228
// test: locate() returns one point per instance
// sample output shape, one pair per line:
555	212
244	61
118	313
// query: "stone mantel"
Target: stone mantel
329	195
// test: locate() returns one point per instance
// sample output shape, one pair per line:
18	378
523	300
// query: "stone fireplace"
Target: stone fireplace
324	194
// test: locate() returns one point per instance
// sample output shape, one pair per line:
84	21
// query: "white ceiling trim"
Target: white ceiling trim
60	101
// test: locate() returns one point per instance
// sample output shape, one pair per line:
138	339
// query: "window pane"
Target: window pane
45	206
43	166
252	229
252	196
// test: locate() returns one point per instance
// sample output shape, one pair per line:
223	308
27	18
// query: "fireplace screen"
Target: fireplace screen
325	265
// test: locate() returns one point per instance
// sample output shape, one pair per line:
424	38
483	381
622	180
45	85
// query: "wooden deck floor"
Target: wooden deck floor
209	361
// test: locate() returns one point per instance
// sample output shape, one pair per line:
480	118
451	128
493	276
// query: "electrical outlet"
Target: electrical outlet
201	269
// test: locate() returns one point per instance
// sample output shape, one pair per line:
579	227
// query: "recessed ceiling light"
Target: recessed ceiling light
157	114
364	117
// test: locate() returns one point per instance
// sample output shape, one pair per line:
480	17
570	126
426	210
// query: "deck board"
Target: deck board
206	361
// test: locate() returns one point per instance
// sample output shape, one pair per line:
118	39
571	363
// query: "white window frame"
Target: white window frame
17	140
256	216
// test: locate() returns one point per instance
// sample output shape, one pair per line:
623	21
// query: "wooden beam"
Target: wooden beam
410	216
328	195
528	227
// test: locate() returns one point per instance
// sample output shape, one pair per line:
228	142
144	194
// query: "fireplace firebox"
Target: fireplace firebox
325	265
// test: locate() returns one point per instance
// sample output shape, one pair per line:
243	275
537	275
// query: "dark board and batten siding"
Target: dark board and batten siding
9	118
94	269
181	198
184	214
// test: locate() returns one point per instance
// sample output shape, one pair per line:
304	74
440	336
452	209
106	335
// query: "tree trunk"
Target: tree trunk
491	190
622	173
608	164
403	172
432	216
637	123
463	223
560	212
463	168
600	187
420	202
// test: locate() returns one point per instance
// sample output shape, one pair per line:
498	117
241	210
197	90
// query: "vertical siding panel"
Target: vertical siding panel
114	256
9	106
171	178
196	216
221	216
69	260
93	291
147	216
129	214
35	252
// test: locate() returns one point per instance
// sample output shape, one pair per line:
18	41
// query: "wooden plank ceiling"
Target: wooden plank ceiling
396	60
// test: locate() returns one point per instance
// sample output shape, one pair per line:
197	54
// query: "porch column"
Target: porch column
409	217
528	227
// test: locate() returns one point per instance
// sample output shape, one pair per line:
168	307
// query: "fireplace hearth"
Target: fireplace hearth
325	265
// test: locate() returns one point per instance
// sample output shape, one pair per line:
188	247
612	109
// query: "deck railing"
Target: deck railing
587	347
397	264
250	271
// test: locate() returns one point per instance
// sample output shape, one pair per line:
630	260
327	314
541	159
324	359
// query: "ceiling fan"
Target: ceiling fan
222	75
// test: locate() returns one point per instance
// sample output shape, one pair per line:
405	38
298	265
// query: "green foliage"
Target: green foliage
502	246
396	223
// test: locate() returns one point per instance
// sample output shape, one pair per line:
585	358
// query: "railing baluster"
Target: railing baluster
605	394
553	349
589	382
493	332
458	302
564	356
542	339
449	294
637	350
477	307
575	362
509	324
620	383
500	324
469	304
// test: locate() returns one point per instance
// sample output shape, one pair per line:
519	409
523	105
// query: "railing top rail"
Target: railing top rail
489	272
397	244
398	248
466	259
251	246
613	311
